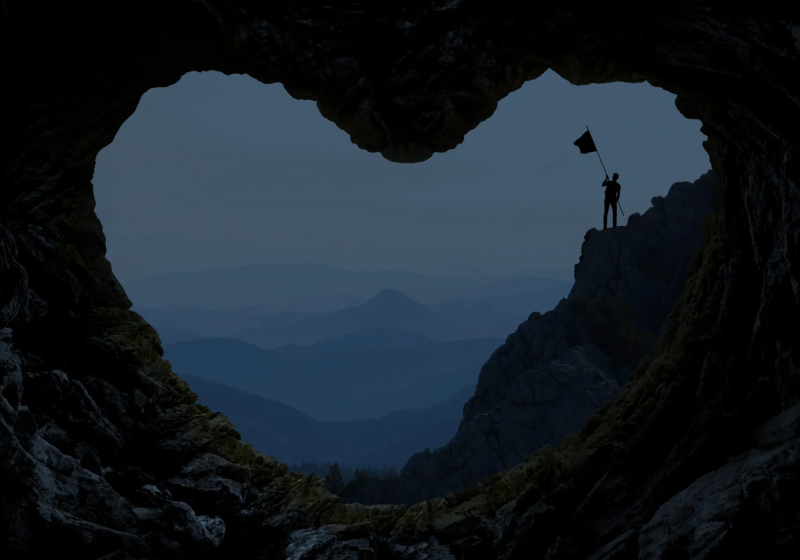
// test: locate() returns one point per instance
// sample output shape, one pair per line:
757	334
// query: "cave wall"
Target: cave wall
84	389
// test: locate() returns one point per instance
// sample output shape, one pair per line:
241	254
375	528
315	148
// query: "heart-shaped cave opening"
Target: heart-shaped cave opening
309	290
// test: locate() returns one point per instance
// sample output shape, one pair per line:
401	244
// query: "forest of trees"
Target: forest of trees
322	470
366	486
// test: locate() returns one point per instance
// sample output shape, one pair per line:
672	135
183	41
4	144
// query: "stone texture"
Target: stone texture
405	79
723	511
543	405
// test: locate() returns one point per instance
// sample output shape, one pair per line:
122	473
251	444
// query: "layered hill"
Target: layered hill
219	323
498	315
388	309
364	339
350	378
484	314
294	437
322	288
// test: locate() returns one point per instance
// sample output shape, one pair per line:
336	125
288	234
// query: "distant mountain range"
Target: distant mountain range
388	309
317	288
492	316
216	323
374	337
365	374
498	315
316	363
291	436
170	336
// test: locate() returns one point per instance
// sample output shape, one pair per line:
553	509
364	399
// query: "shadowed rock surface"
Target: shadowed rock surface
84	388
559	368
542	405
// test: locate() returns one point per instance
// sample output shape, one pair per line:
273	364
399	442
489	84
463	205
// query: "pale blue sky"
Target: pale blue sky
223	171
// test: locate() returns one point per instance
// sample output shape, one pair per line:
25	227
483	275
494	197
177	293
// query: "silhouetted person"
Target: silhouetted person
612	196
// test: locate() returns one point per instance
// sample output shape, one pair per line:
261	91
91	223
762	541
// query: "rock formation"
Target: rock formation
558	368
542	405
647	262
84	389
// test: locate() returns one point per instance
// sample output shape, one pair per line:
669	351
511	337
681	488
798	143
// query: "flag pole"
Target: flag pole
604	167
598	154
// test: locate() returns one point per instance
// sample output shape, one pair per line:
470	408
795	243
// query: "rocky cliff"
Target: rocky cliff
107	456
646	263
557	369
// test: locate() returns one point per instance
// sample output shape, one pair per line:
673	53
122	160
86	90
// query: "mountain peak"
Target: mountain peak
393	300
389	294
390	308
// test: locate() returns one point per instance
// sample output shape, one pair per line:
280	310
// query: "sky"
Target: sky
223	171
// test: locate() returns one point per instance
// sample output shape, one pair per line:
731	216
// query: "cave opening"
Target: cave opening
103	431
217	174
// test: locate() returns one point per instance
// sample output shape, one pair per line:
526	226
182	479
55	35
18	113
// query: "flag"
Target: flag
585	143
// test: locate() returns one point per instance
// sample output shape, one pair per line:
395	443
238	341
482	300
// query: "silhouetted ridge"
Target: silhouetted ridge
387	309
292	436
335	379
369	338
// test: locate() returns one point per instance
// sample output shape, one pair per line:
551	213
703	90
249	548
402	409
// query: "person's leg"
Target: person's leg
605	216
614	206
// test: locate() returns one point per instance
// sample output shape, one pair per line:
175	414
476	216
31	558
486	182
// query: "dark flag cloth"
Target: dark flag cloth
585	143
